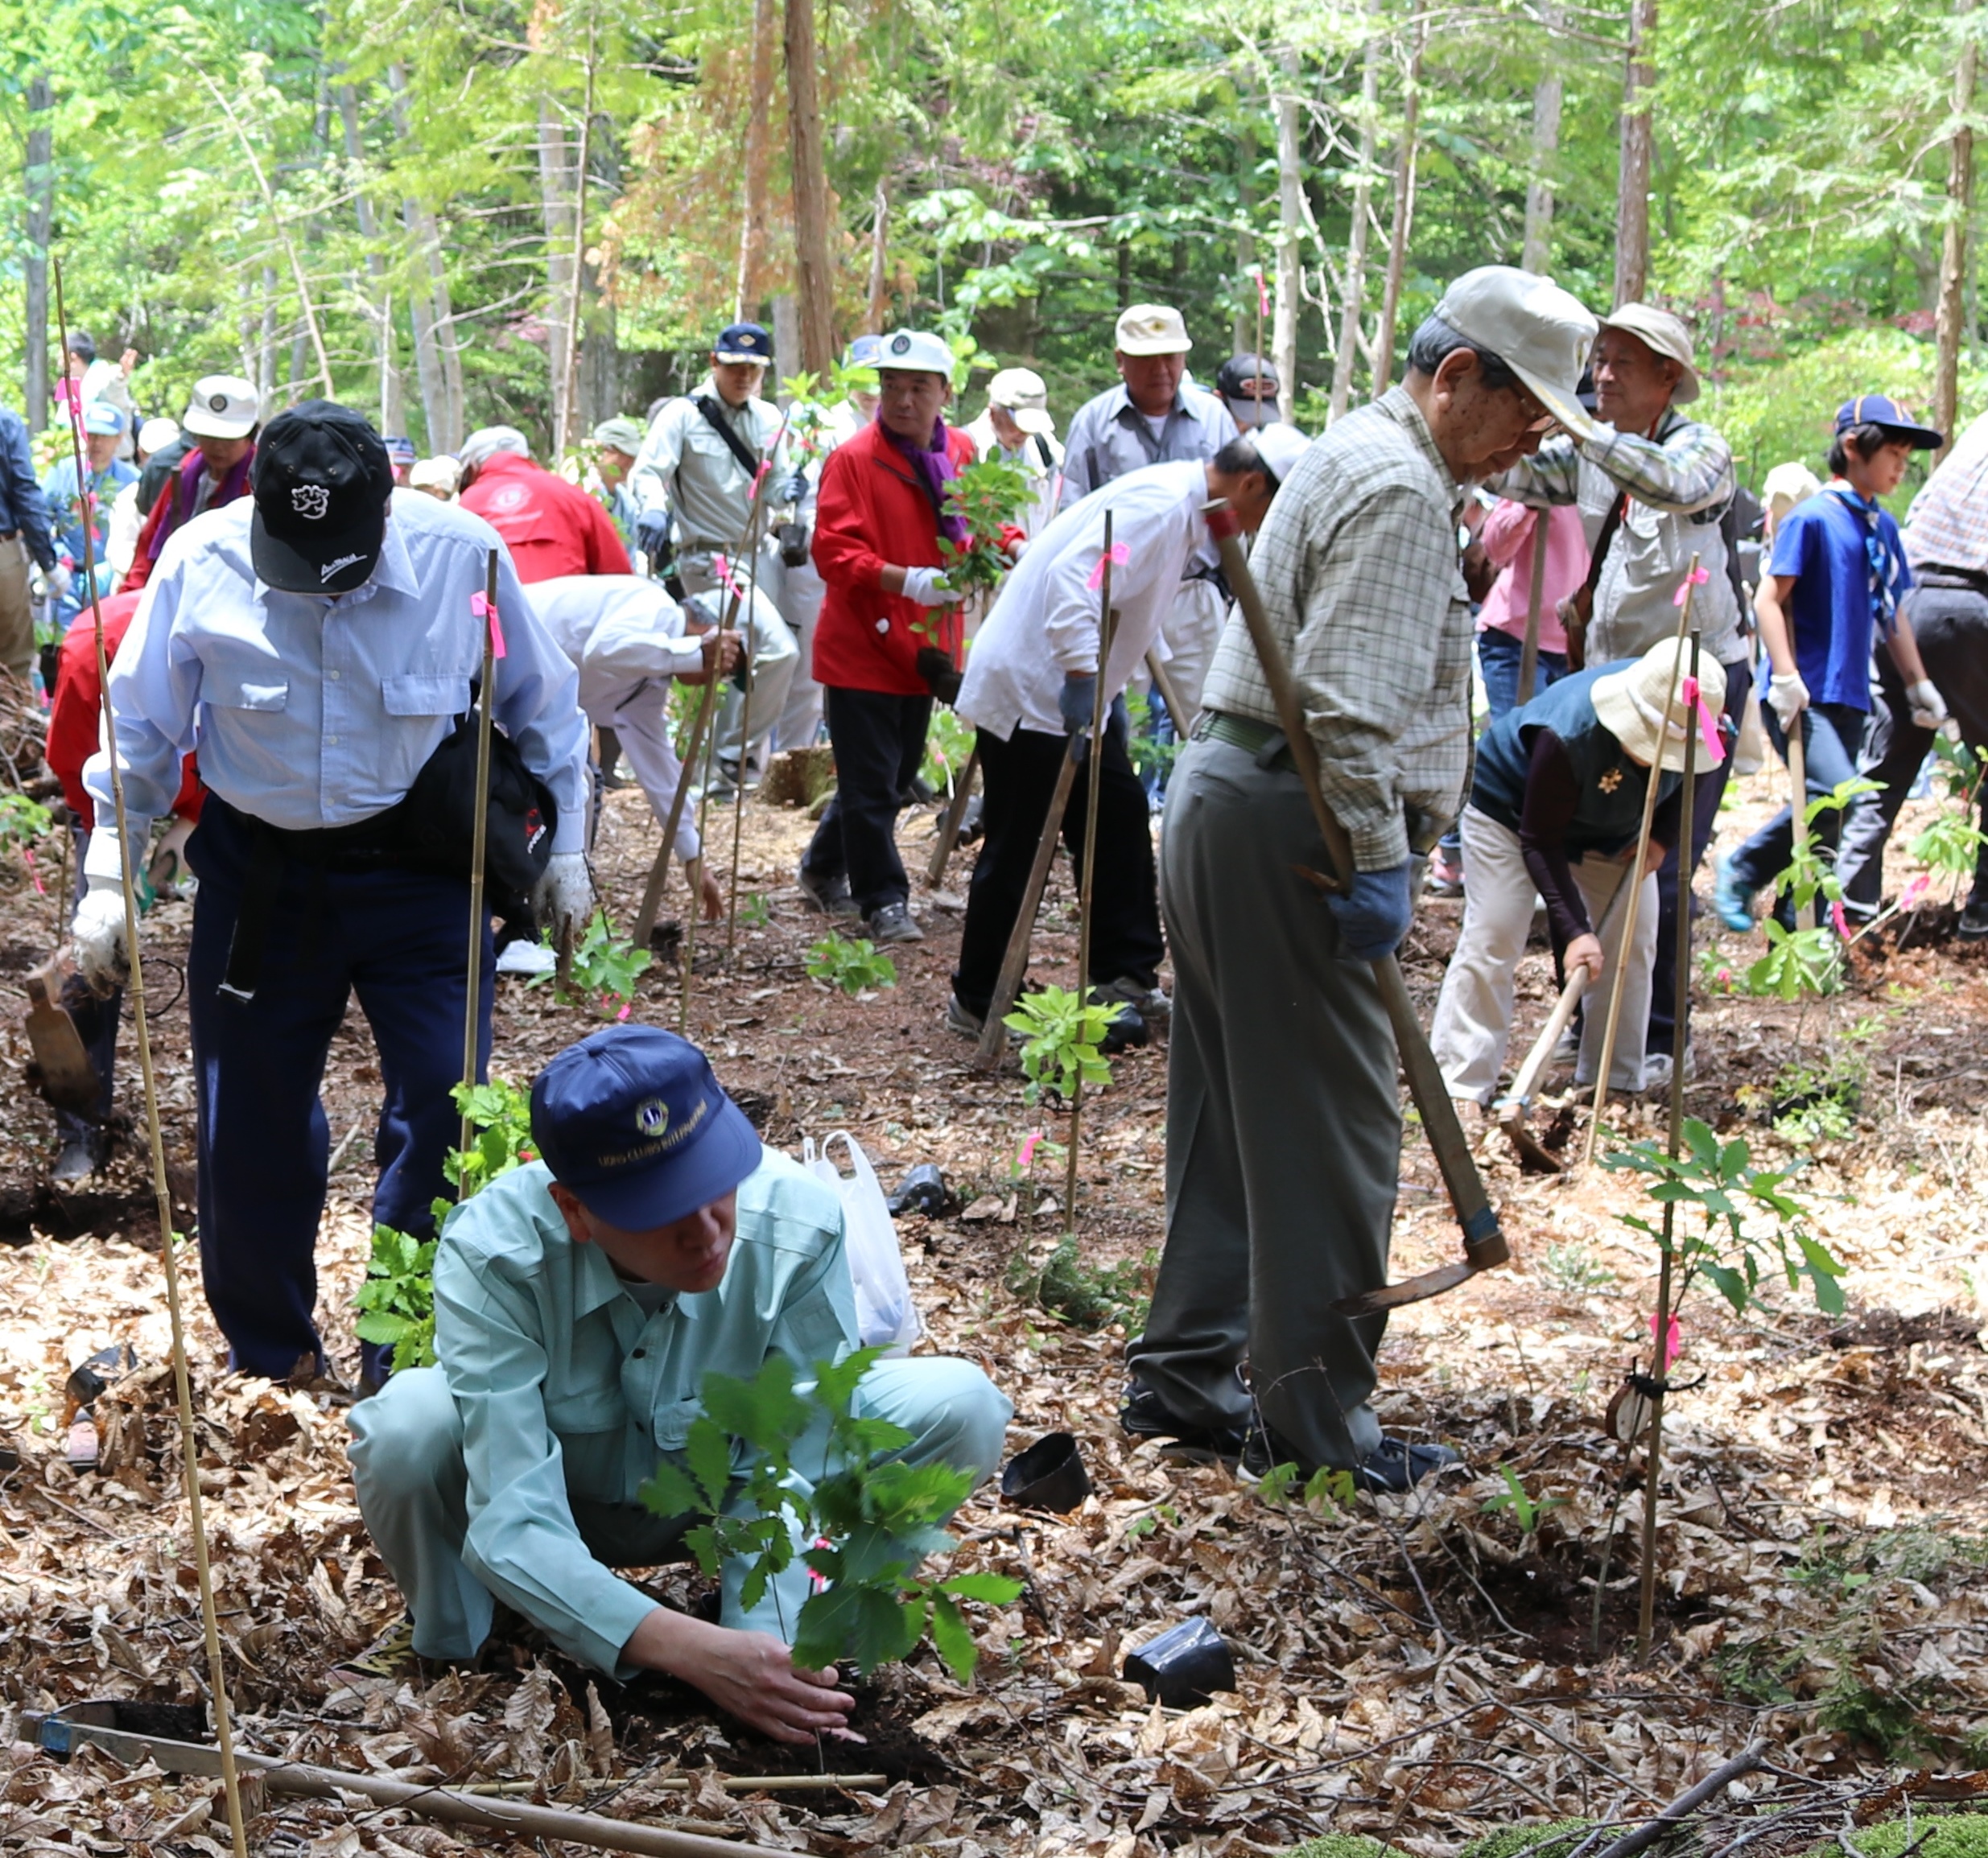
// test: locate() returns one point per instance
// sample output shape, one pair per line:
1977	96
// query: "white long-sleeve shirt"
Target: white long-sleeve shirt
1045	624
310	711
617	629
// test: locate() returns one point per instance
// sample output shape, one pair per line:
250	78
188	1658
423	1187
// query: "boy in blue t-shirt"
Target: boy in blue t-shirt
1834	582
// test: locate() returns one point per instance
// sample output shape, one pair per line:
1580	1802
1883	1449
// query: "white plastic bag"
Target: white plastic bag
886	1316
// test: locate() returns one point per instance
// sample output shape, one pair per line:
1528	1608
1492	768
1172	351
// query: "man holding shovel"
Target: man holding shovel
1556	806
1030	685
1284	1132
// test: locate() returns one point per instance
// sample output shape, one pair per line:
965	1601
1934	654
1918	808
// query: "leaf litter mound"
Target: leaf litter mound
1418	1669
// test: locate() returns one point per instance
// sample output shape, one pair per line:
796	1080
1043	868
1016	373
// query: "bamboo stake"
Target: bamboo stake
950	823
1606	1064
1536	601
1098	709
480	831
659	871
745	756
181	1375
1646	1606
1798	780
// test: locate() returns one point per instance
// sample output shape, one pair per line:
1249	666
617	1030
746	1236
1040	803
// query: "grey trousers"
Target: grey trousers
1283	1127
776	657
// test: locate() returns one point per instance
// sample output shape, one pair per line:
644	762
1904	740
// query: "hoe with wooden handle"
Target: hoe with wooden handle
1483	1243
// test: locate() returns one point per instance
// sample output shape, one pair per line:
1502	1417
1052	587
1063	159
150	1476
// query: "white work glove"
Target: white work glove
102	956
928	587
1929	708
563	895
59	581
1788	696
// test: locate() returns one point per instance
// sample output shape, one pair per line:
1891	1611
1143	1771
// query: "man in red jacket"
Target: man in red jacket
887	638
551	527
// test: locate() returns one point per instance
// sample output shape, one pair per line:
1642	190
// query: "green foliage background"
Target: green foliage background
1039	164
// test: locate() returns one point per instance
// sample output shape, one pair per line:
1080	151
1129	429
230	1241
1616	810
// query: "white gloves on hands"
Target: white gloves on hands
1929	708
102	956
1788	696
928	587
59	581
564	895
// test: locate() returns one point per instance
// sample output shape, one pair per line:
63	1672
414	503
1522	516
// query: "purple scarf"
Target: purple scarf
194	466
933	464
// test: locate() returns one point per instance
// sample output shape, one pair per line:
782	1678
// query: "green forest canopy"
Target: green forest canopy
386	191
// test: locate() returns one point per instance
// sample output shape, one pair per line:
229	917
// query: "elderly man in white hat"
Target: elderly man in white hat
1654	489
1556	807
1157	416
1015	428
1284	1121
223	415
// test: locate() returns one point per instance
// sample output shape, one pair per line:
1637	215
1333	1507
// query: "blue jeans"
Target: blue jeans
400	939
1831	735
1497	656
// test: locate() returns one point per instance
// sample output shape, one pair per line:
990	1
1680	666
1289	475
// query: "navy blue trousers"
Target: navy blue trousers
399	939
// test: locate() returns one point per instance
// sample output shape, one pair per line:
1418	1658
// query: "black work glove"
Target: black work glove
936	668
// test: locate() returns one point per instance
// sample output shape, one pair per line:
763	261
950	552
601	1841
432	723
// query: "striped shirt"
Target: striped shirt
1357	563
1947	525
1679	484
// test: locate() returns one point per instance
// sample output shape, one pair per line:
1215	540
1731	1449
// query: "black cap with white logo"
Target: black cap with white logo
322	480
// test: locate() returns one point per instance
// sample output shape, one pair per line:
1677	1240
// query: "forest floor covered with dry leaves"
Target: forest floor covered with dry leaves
1419	1668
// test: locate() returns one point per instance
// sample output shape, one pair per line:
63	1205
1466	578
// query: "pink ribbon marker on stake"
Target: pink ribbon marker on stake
1263	293
1708	726
480	607
1697	577
1672	1342
1121	554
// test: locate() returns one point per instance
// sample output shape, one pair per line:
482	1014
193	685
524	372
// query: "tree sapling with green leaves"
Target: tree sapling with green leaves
1060	1037
859	1519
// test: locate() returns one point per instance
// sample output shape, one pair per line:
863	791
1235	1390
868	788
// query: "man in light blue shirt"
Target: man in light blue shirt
579	1302
316	642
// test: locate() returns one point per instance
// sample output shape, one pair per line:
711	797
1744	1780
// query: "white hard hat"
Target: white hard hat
223	407
1538	330
916	349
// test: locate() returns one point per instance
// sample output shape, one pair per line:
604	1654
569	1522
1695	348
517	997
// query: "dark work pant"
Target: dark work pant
879	741
1018	779
398	938
1832	734
1950	626
1708	790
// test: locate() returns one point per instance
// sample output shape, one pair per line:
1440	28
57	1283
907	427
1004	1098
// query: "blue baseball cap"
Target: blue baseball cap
743	342
102	418
634	1122
864	351
1877	409
400	450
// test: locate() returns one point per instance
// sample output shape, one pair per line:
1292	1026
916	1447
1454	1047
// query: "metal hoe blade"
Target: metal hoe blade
1415	1290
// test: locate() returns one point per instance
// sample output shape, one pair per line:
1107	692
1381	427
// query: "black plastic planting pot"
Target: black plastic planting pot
1049	1476
1184	1666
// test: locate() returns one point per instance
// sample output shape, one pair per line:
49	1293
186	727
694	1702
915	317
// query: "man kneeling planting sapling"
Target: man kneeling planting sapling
584	1304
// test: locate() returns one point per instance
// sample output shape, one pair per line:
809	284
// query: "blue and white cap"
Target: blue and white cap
633	1121
743	342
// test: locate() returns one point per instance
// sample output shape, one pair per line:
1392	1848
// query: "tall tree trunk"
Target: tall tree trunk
393	393
879	261
1290	229
437	356
1354	284
1632	187
1951	322
1403	215
1242	323
556	165
758	139
1548	96
814	282
40	183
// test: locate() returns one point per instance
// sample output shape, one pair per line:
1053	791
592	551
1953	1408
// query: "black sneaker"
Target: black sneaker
1393	1465
892	922
1142	1416
1974	923
1126	1029
829	895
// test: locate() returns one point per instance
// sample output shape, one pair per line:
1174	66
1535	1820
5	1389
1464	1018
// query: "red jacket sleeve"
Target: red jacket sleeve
74	709
844	556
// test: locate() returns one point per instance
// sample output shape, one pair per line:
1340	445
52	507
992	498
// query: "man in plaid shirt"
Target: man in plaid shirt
1283	1127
